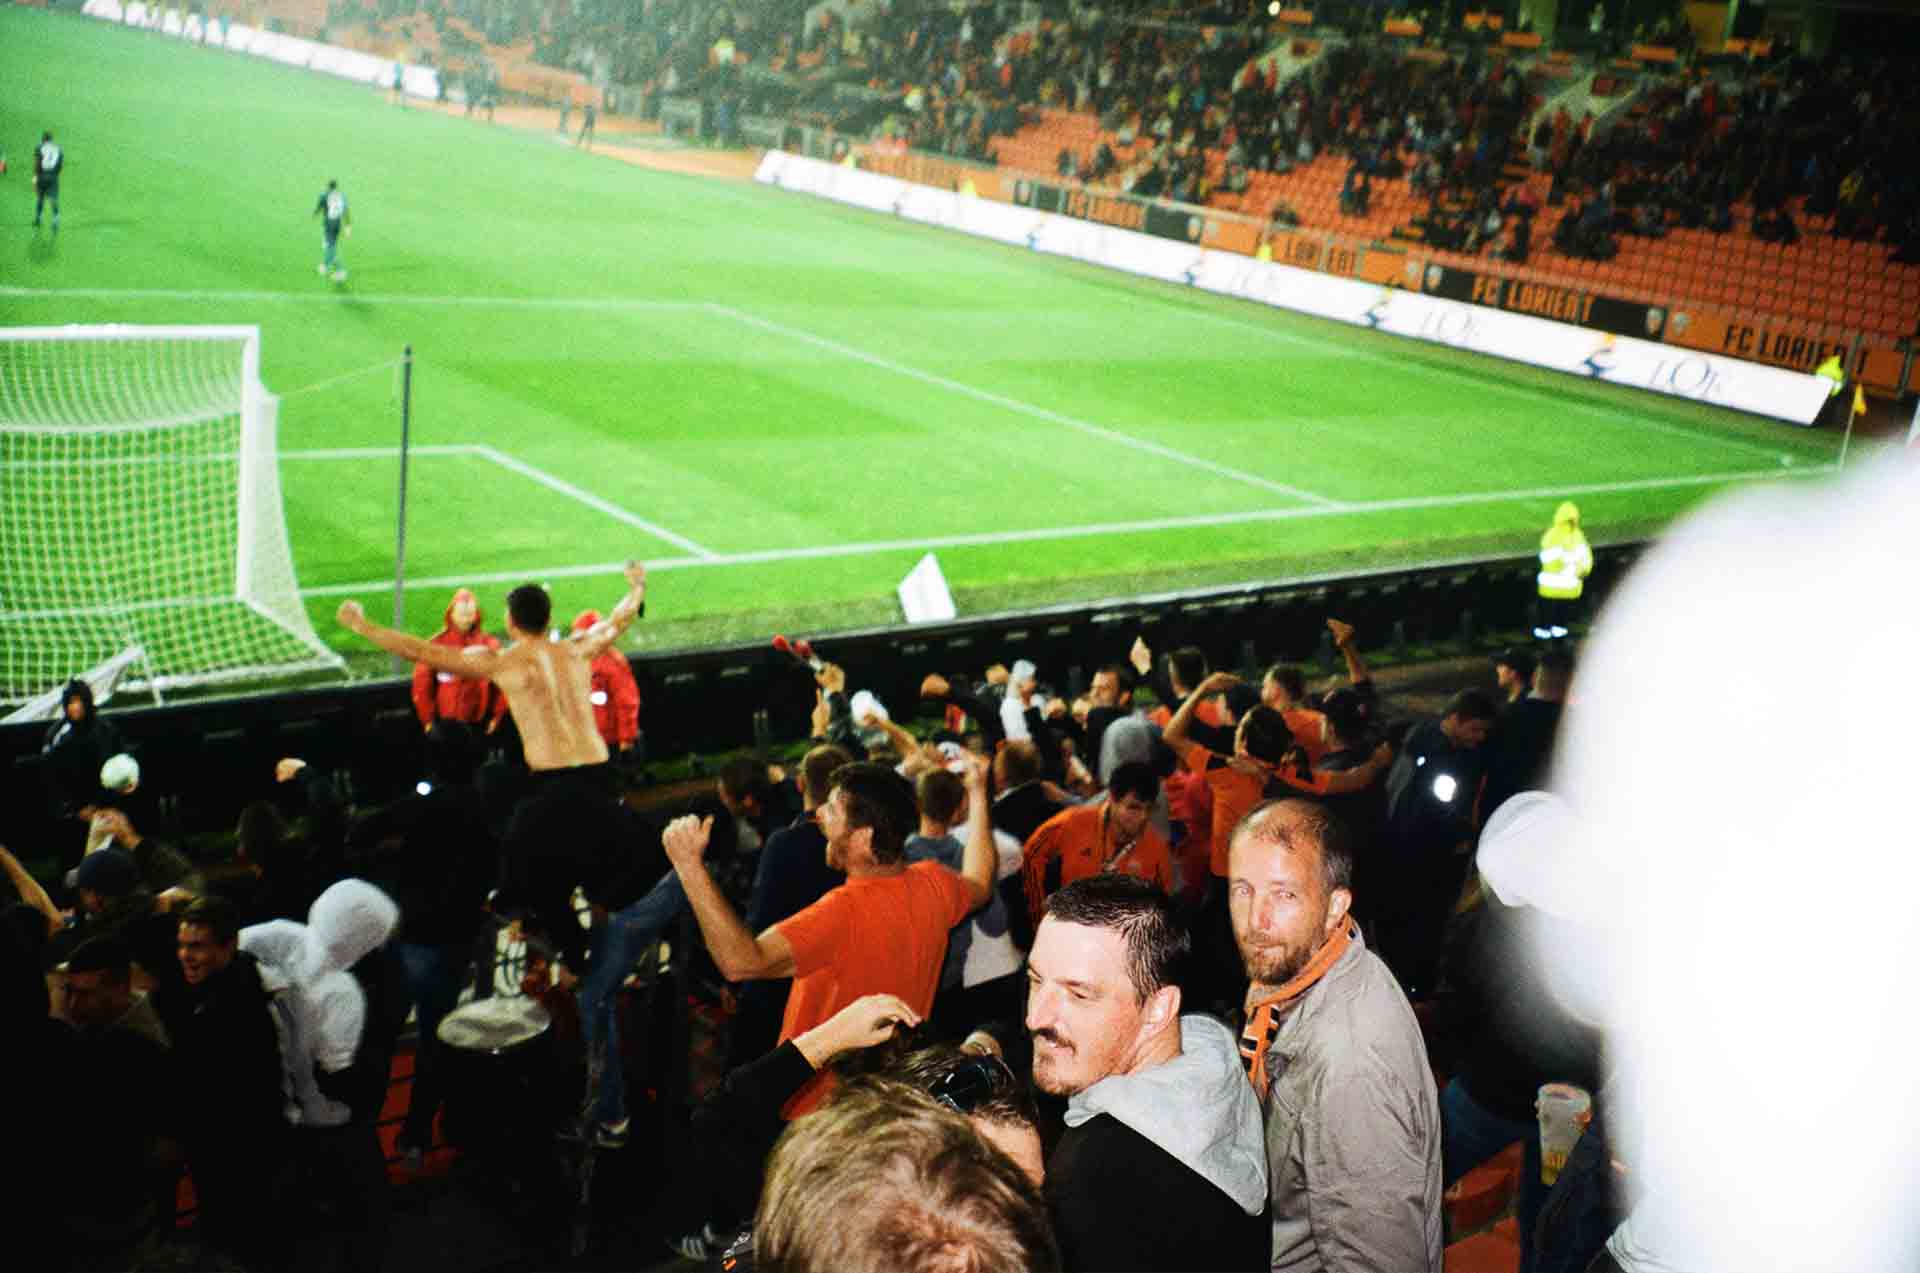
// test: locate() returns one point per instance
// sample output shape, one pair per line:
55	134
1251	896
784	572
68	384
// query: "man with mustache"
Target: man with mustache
1334	1054
1161	1165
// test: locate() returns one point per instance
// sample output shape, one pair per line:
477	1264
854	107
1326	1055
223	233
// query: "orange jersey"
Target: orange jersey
1078	840
882	934
1236	794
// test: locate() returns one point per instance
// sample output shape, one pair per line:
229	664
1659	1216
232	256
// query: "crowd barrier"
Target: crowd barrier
288	50
1792	396
210	759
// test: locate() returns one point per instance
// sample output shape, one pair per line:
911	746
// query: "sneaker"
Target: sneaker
339	276
611	1135
321	269
698	1247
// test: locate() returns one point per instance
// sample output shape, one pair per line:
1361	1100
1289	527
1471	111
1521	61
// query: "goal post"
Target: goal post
140	507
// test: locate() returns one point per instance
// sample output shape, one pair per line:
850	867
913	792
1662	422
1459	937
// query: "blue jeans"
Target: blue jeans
612	950
1470	1133
431	977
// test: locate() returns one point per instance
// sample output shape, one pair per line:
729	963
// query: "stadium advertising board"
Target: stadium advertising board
1546	300
288	50
1557	346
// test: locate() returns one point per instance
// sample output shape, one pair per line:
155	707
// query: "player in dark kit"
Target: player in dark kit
47	162
335	221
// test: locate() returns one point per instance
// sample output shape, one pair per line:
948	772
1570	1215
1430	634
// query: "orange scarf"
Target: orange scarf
1263	1018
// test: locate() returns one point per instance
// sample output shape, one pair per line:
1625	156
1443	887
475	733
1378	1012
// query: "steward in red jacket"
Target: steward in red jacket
442	696
616	695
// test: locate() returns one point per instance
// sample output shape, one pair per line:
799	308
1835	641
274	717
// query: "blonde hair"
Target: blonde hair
884	1180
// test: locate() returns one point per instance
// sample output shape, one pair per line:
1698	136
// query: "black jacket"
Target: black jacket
1119	1202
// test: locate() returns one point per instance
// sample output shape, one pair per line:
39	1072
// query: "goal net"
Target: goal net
140	509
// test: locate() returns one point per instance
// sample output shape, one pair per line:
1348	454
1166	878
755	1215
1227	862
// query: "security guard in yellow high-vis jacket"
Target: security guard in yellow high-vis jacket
1566	559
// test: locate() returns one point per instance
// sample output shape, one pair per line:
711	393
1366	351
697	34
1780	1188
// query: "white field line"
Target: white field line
332	297
1027	408
991	538
525	470
1411	367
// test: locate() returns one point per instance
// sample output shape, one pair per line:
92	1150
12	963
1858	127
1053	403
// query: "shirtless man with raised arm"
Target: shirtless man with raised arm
569	828
547	683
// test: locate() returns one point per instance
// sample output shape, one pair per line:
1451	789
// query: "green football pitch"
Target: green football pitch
779	403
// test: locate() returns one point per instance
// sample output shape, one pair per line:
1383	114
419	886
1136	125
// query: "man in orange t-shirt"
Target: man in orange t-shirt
1113	834
882	932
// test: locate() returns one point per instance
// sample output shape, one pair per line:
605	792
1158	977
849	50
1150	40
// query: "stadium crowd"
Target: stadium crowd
1184	971
1017	915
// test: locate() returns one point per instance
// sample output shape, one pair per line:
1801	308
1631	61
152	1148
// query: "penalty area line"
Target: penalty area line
698	552
1028	409
774	556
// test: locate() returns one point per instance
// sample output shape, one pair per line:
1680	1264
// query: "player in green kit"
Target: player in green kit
335	221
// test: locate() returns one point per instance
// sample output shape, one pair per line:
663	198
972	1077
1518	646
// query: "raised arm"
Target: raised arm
1178	732
602	634
737	953
476	662
899	735
981	862
1350	650
30	890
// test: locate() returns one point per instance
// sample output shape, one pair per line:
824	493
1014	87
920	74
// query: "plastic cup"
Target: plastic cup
1565	1111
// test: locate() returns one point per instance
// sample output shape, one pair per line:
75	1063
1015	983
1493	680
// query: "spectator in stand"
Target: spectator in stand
615	696
100	996
1520	751
1429	829
1514	1031
1353	1133
1161	1165
980	980
445	702
162	867
114	903
334	1081
1513	674
747	788
120	1101
1108	835
1025	798
226	1058
76	746
884	930
1264	764
434	854
792	874
887	1179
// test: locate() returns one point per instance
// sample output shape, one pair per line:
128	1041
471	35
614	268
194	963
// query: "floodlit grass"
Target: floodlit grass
780	402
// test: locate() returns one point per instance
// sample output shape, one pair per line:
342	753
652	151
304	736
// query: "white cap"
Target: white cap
121	773
1023	671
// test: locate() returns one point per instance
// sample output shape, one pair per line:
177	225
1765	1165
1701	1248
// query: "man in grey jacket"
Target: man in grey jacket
1335	1055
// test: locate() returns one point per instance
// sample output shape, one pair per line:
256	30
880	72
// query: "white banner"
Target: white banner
329	59
1576	351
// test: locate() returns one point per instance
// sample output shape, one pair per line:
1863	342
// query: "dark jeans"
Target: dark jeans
614	948
1470	1134
429	978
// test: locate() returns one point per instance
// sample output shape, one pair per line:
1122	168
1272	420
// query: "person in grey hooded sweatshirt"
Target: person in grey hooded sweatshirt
1163	1162
321	1014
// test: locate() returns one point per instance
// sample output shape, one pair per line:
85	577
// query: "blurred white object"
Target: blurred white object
120	774
1748	852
